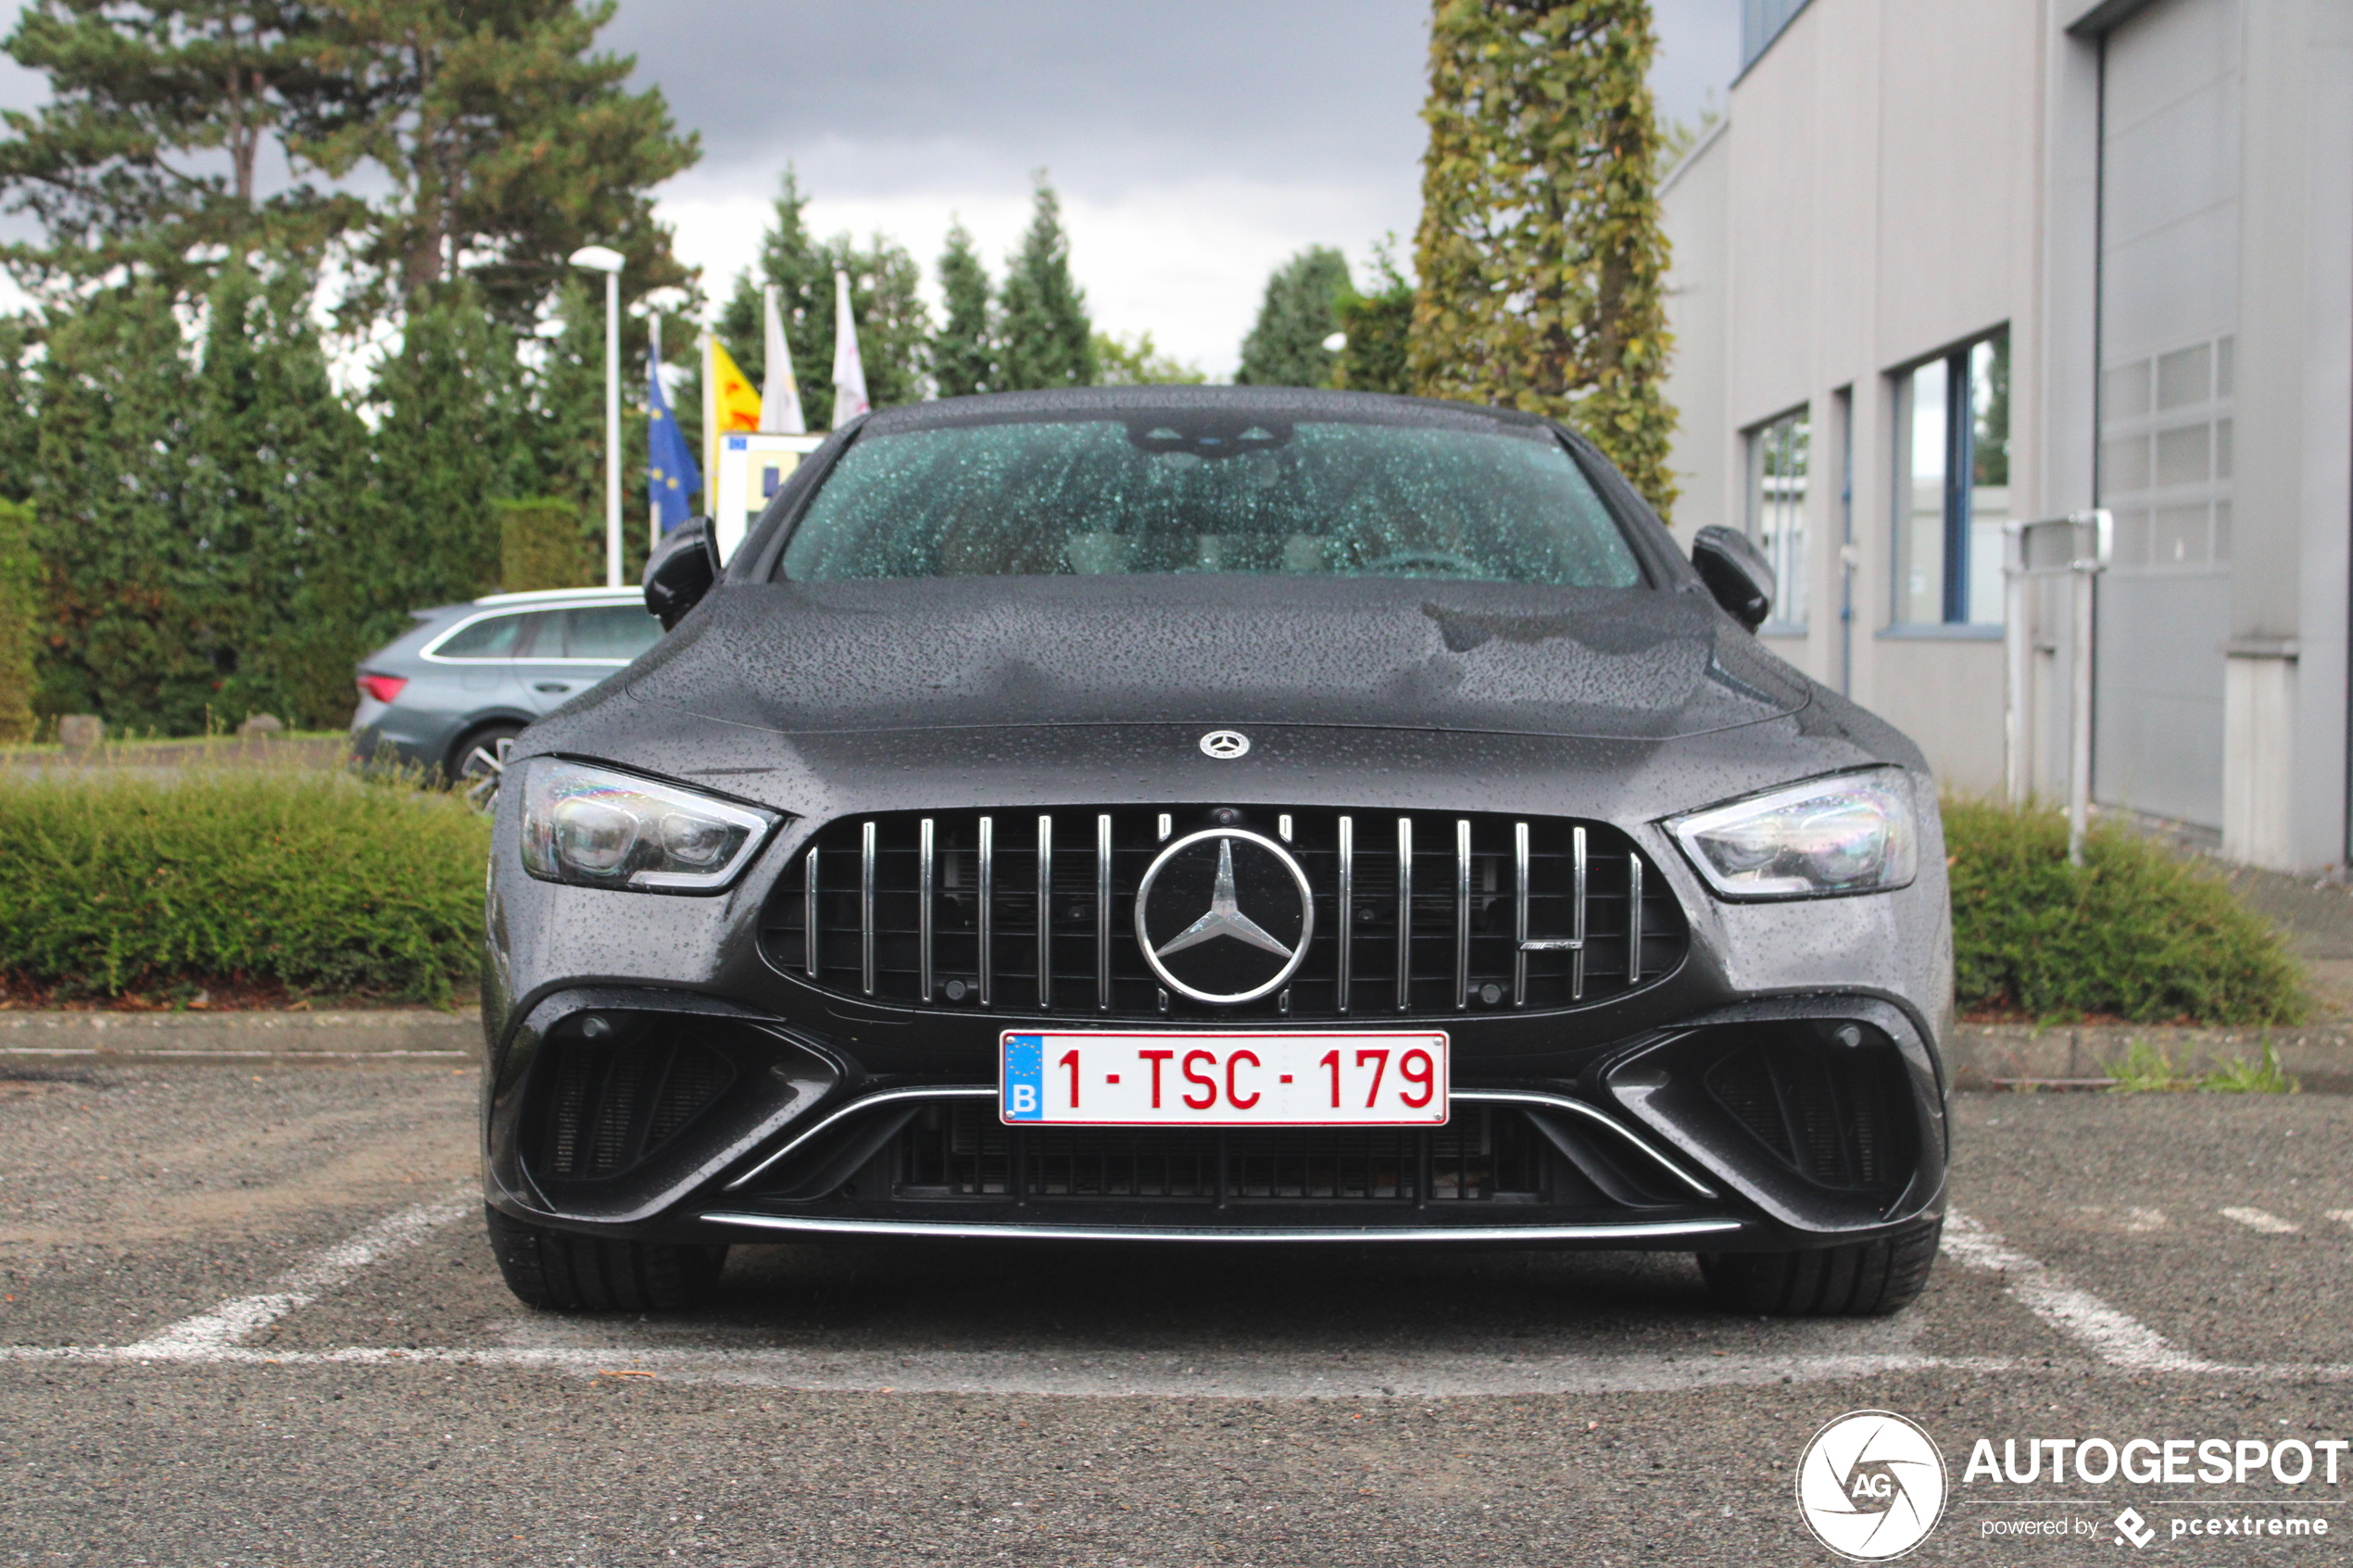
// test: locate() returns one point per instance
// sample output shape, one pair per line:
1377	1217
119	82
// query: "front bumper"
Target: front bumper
665	1115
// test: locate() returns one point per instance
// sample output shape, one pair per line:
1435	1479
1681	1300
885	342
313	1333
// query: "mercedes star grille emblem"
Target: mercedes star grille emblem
1225	745
1253	937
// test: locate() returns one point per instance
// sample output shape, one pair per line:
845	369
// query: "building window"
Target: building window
1777	461
2165	458
1952	485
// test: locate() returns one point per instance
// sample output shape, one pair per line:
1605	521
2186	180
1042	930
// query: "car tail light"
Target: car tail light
383	688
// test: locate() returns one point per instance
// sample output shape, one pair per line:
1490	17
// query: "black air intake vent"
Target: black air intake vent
1837	1114
1423	914
611	1105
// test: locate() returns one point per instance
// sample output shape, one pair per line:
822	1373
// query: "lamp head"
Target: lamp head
599	258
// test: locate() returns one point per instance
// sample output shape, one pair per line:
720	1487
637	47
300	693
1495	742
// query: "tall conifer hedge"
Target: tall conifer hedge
1541	254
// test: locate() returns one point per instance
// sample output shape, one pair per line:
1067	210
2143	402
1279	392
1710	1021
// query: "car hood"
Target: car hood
1638	664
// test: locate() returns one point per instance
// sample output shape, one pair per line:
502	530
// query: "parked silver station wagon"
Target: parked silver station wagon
450	695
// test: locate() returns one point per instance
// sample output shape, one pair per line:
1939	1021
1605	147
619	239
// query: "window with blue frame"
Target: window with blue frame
1953	485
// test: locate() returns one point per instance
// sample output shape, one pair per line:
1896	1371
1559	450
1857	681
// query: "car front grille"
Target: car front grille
1033	912
611	1106
962	1150
1837	1114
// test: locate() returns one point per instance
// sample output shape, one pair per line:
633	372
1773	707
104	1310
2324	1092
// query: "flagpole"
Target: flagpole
710	425
653	508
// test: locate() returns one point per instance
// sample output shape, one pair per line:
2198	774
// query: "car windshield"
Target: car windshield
1212	491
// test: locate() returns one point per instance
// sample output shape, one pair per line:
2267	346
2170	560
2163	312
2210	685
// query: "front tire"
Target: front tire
1861	1280
558	1272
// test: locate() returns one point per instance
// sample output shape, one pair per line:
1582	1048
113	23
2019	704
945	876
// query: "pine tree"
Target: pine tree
1045	338
280	491
1541	254
1377	325
1122	361
894	327
149	150
19	398
963	356
123	632
453	437
1305	297
508	144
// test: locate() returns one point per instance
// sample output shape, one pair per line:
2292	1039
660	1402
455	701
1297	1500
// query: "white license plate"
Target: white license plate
1223	1080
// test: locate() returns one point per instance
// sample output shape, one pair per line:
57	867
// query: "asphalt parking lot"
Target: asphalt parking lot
251	1319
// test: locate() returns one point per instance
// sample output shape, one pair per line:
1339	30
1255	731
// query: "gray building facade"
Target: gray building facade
1948	263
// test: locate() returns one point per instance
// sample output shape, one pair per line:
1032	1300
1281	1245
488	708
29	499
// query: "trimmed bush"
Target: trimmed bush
543	543
112	883
2137	932
19	602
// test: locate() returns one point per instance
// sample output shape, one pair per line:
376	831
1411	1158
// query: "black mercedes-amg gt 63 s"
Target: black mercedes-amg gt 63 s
1215	815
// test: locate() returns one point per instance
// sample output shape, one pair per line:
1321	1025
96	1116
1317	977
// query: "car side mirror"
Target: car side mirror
681	570
1736	572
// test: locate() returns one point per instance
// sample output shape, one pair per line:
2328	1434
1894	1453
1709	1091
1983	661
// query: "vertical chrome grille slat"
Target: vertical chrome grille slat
925	880
866	907
1405	913
1519	914
1103	912
1345	937
1462	910
1633	920
1045	912
1577	914
809	934
985	915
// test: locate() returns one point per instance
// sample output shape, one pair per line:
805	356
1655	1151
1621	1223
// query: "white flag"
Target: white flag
849	371
779	393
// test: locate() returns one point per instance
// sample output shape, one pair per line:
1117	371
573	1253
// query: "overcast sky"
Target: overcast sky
1195	144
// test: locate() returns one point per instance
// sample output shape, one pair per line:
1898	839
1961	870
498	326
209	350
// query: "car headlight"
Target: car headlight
1850	833
599	828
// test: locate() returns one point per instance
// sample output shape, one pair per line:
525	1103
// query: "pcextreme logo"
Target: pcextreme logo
1871	1486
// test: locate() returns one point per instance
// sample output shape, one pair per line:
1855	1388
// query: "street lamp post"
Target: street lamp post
599	258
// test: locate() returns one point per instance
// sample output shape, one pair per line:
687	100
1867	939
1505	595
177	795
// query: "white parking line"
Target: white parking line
1816	1352
234	1322
2118	1339
2257	1219
2342	1216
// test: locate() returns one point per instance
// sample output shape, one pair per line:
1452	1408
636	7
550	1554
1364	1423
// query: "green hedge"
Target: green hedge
2137	932
114	883
543	543
20	606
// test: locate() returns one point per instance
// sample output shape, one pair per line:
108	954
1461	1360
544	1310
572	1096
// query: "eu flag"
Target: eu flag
671	473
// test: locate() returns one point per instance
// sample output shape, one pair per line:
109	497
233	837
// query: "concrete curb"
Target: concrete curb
393	1032
1998	1055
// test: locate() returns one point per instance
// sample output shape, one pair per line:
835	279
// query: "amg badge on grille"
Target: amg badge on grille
1224	916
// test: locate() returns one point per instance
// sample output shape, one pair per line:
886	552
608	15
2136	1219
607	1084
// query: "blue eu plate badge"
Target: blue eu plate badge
1023	1082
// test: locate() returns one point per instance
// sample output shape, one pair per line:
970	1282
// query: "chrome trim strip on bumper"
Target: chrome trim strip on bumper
1590	1112
1531	1097
1656	1230
842	1113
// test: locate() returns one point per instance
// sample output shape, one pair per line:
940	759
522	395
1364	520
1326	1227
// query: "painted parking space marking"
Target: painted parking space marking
2342	1216
2117	1339
1820	1351
234	1321
2261	1220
